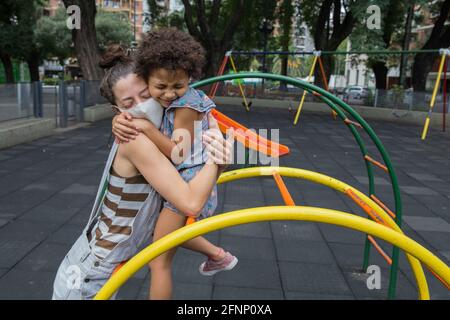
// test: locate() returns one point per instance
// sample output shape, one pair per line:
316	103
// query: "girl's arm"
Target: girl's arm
165	179
124	128
180	144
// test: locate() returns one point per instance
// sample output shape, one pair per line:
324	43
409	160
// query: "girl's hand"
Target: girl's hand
123	127
218	149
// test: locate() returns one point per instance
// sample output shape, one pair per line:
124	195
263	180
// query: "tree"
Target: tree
330	23
212	28
285	13
363	38
85	39
439	38
247	35
17	24
113	27
54	37
158	17
7	23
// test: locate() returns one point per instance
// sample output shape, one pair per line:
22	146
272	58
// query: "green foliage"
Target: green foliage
17	26
113	28
158	18
28	33
53	37
247	36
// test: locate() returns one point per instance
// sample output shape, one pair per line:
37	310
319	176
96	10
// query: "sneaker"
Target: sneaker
211	267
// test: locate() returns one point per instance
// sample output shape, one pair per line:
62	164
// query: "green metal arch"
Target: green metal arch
338	106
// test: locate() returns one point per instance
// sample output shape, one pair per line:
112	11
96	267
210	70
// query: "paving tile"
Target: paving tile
425	177
427	224
378	181
257	229
78	188
251	273
413	190
27	285
304	251
296	230
3	222
45	213
45	257
27	230
341	235
249	248
67	234
446	254
185	268
13	250
307	277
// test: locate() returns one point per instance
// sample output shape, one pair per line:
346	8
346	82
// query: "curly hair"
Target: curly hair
118	62
170	49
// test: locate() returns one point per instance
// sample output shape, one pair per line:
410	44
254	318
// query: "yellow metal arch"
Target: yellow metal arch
337	185
268	214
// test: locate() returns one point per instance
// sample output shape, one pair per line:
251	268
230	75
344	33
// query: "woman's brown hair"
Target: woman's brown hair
118	62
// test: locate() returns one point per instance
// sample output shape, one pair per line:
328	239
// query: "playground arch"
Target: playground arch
386	224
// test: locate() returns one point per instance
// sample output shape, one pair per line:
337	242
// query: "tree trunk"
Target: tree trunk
406	40
284	71
85	40
423	63
328	63
33	66
380	70
439	38
204	29
214	57
7	65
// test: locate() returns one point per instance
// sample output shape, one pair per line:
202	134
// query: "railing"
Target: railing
64	102
399	102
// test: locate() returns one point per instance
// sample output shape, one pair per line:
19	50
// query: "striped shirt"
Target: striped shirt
124	198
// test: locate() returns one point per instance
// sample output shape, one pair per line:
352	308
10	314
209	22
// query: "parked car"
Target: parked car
355	92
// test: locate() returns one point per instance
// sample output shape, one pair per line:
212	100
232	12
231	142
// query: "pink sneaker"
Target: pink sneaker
211	267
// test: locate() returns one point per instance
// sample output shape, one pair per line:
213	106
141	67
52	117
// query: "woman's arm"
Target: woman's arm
165	179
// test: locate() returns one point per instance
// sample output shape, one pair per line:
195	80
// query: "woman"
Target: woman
135	177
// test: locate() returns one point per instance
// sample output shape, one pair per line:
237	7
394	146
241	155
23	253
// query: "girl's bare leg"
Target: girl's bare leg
161	267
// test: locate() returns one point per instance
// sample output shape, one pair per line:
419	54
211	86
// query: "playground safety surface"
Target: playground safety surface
48	187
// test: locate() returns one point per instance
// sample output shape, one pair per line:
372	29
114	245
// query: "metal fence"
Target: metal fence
406	100
64	102
18	101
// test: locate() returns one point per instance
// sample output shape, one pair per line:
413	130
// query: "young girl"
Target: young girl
136	175
168	59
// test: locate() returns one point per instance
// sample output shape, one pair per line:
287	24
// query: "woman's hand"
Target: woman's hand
123	127
219	150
